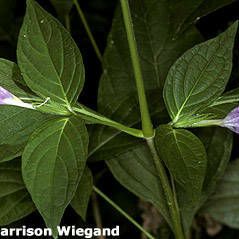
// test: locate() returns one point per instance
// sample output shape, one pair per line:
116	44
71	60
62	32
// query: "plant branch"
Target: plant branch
146	121
122	212
88	31
97	118
170	198
96	212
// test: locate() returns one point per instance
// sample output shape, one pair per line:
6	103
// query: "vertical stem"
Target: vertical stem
122	212
147	124
172	203
146	121
96	212
88	31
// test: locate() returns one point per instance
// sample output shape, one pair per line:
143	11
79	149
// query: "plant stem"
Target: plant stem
91	116
146	121
172	202
96	212
67	22
88	31
121	211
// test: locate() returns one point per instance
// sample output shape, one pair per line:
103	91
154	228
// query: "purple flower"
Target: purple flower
232	120
7	98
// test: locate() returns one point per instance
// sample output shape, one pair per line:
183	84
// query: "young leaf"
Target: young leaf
48	57
53	163
83	193
223	206
185	157
15	202
135	170
200	76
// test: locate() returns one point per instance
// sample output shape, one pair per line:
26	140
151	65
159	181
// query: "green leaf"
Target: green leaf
11	78
63	7
223	205
17	124
9	152
53	163
224	104
218	143
196	9
135	170
200	76
82	196
185	157
158	49
48	57
15	202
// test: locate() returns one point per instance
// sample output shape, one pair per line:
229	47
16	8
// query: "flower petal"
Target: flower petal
232	120
7	98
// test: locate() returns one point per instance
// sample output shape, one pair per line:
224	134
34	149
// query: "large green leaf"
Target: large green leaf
185	157
83	193
164	30
135	170
15	202
223	206
53	163
158	49
200	76
48	57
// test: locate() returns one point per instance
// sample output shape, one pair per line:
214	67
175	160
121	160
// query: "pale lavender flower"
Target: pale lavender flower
7	98
232	120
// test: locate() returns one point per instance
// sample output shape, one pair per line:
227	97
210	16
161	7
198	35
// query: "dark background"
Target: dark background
99	14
